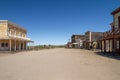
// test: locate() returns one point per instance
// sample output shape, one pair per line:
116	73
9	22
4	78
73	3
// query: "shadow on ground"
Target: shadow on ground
109	55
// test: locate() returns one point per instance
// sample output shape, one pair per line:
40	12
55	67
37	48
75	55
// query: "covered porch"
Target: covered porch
111	43
15	44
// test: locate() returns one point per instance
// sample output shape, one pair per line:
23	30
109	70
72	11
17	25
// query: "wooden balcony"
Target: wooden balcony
111	34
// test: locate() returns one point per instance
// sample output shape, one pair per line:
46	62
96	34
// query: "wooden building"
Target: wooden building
77	41
12	37
69	45
111	39
91	37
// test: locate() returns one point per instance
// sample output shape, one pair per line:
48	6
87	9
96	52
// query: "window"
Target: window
2	45
6	44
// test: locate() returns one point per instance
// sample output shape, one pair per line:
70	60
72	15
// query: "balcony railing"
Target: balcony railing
21	37
111	34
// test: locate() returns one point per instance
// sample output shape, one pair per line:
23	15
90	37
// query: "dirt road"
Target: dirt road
58	64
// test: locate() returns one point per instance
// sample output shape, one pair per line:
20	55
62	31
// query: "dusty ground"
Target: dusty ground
58	64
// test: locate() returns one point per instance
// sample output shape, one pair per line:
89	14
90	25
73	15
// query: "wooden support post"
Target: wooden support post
15	45
101	46
109	45
115	45
104	45
10	45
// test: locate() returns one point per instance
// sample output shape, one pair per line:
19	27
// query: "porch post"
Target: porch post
15	45
114	45
10	44
101	45
109	45
19	45
105	45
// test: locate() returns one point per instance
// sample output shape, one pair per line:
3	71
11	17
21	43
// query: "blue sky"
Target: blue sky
54	21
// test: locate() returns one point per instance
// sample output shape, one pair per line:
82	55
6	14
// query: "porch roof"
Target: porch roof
16	39
112	37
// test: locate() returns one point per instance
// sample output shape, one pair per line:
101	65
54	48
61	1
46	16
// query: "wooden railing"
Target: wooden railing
111	33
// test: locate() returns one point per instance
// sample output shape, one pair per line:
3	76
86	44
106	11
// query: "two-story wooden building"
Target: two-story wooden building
111	39
12	36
